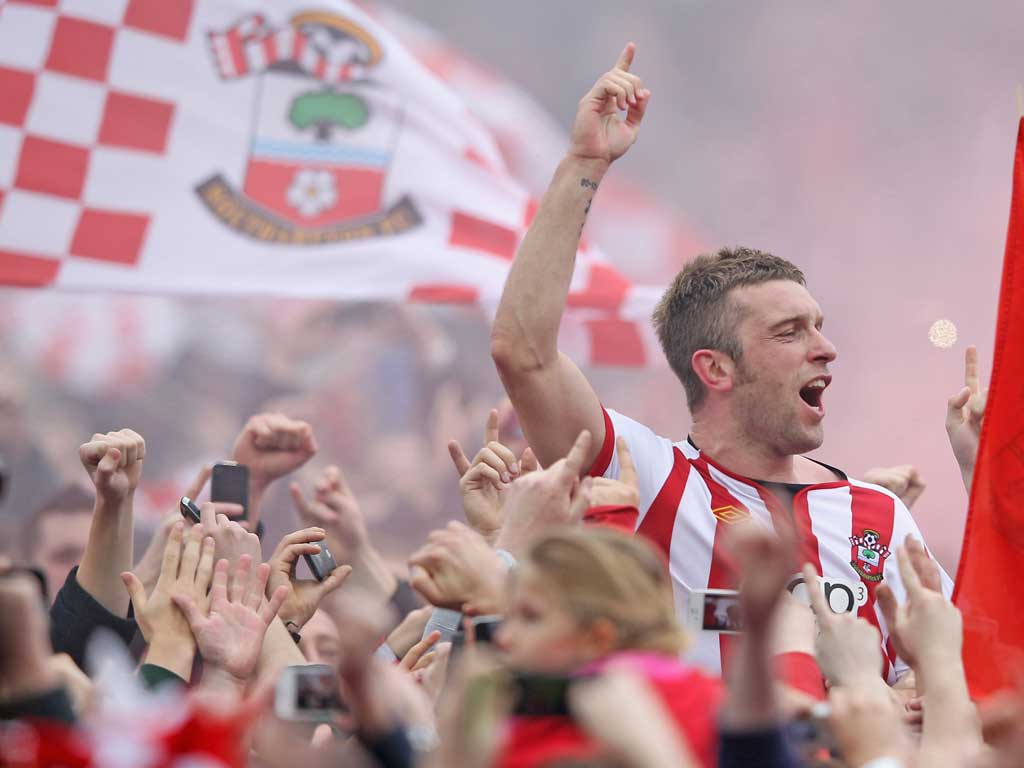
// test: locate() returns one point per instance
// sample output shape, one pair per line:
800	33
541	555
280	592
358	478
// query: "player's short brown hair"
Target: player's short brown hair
696	311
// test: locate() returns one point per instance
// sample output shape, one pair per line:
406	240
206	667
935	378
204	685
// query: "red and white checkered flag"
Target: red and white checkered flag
196	146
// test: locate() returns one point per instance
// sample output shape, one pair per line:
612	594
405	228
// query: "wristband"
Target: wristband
293	630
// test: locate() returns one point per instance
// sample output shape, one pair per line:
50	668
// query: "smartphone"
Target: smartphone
309	693
540	695
230	483
321	565
485	627
189	509
714	610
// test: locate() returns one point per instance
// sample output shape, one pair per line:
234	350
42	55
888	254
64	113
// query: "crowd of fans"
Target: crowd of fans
586	664
547	627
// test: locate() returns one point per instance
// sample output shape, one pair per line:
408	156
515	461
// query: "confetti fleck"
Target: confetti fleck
942	334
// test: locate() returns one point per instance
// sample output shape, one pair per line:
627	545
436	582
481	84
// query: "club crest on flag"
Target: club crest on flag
869	555
322	138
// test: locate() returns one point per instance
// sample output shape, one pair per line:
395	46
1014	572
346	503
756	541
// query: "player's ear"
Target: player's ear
715	369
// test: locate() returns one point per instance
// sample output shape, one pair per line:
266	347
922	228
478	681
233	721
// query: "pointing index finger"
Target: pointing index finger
815	593
491	429
627	470
626	57
971	370
578	454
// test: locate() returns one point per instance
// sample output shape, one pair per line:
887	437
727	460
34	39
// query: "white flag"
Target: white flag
250	148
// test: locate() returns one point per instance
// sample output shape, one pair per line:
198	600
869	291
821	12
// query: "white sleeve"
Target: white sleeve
653	456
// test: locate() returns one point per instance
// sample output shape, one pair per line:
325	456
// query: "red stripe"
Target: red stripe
875	511
468	231
270	52
444	293
660	520
604	458
321	67
722	574
614	341
236	45
298	46
808	541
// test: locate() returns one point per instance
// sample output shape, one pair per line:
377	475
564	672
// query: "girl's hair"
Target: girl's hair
597	573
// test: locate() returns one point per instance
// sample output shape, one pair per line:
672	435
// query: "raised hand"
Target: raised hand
148	566
927	629
848	649
335	509
624	492
185	573
457	569
231	538
272	445
545	498
964	415
229	633
765	563
303	595
598	133
484	480
114	463
904	480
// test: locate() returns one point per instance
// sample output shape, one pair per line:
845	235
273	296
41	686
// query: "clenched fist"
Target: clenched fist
273	445
114	463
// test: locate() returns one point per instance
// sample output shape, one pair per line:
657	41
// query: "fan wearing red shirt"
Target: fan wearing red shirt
584	601
744	336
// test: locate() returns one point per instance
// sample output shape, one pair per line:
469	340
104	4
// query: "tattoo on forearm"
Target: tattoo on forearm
591	185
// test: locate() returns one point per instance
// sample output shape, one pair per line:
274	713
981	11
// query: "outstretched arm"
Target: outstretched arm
550	394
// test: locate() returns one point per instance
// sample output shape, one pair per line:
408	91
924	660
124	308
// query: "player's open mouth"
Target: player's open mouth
812	391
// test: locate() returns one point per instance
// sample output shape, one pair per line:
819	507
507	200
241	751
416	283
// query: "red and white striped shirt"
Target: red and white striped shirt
847	529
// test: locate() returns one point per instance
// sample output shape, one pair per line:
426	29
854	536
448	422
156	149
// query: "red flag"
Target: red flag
993	553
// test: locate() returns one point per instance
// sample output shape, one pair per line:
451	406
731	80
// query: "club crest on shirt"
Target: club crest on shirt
869	555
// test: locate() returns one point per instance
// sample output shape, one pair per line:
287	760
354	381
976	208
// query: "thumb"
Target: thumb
581	500
334	580
958	401
108	464
136	592
188	606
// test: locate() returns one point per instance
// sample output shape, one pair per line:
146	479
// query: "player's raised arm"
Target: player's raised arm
550	394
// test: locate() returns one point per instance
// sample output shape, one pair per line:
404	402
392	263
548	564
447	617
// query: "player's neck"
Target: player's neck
729	446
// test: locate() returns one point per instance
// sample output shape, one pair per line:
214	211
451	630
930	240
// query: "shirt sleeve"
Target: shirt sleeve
75	615
652	454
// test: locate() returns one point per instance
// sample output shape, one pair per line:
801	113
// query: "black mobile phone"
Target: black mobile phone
540	695
321	565
485	627
230	483
189	509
